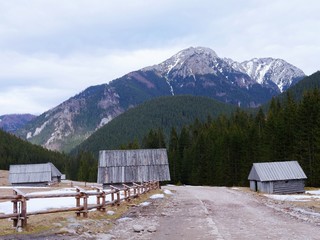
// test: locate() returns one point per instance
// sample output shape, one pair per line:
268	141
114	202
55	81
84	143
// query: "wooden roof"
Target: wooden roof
139	165
274	171
33	173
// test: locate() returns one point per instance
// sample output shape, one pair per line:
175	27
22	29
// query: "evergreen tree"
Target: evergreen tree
174	157
186	161
308	134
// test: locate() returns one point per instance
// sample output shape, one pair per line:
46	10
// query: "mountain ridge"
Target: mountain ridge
12	122
193	71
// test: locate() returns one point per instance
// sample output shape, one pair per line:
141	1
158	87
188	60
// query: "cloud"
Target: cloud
36	83
50	52
33	100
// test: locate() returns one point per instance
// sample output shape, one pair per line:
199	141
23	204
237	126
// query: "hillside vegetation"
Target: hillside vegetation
163	113
14	150
208	142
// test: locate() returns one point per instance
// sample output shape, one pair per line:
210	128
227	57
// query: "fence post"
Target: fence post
15	210
82	194
134	189
113	191
118	197
98	196
117	191
127	192
78	201
103	196
85	204
23	212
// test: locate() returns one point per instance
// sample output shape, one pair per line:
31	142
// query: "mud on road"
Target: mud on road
216	213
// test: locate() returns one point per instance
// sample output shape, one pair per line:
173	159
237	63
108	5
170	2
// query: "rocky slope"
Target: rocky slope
194	71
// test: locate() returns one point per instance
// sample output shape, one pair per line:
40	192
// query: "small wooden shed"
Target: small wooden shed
277	177
127	166
34	174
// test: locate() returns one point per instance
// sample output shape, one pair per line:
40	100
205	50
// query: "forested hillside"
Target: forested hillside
308	83
13	150
221	151
163	113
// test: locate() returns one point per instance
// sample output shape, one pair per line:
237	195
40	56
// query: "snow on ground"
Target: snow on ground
316	192
167	192
39	204
22	187
144	204
157	196
308	196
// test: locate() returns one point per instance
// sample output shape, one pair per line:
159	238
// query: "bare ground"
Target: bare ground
190	213
220	213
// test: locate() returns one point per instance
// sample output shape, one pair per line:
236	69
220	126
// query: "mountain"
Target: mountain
306	84
12	122
193	71
163	112
273	73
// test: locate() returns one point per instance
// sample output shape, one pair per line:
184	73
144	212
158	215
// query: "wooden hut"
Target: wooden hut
34	174
127	166
277	177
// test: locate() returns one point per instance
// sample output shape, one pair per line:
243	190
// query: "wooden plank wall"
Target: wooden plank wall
142	165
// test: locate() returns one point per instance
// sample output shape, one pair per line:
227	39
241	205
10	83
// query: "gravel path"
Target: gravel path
204	213
214	213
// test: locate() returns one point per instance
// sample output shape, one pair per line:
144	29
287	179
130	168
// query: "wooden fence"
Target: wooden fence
19	200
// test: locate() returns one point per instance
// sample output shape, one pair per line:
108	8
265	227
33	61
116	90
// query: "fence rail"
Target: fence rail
19	200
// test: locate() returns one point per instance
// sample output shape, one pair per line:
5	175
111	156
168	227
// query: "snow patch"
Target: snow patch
29	135
157	196
124	219
39	204
315	192
104	121
171	88
39	130
296	197
167	192
171	66
144	204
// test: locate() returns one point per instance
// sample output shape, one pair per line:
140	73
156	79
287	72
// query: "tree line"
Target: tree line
216	151
221	151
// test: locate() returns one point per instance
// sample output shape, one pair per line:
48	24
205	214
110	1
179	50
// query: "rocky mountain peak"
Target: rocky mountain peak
188	62
270	71
192	71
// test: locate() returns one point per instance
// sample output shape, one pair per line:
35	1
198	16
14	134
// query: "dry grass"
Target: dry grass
4	175
54	222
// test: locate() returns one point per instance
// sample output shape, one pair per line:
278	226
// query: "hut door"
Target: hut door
256	186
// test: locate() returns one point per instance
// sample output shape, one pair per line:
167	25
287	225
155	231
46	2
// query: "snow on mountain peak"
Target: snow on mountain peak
186	60
197	50
272	71
194	61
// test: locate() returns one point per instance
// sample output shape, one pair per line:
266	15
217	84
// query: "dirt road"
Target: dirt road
214	213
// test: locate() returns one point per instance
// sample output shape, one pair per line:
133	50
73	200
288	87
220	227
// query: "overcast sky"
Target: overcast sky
50	50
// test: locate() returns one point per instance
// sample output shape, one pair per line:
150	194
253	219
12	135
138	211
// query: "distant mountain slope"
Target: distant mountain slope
306	84
296	91
163	112
276	74
193	71
12	122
